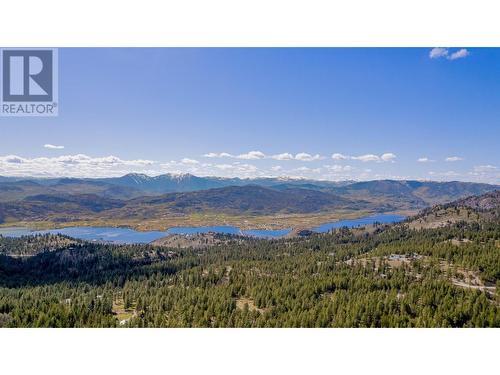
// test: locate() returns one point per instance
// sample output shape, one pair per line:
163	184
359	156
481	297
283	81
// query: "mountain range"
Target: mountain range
140	184
141	196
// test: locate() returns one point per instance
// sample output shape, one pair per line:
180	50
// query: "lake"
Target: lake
362	221
128	236
107	234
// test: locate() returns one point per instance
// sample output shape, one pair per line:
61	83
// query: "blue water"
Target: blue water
128	236
263	233
107	234
382	219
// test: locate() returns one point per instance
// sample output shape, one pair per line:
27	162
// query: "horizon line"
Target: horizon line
243	178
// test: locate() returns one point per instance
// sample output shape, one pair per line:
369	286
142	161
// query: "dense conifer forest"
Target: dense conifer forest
389	276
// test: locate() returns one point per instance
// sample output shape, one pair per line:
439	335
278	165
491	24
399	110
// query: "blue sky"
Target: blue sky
384	113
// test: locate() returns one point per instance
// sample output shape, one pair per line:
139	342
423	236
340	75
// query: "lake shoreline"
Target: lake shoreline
244	222
128	235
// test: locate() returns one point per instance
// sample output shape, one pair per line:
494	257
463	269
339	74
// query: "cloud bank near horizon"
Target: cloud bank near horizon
253	164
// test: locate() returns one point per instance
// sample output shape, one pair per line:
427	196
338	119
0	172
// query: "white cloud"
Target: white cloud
12	159
338	156
438	52
388	156
283	156
189	161
211	155
257	155
308	170
252	155
486	173
53	147
485	168
218	155
224	166
424	160
239	169
366	158
81	165
460	54
453	158
303	169
336	168
78	165
447	174
335	172
303	156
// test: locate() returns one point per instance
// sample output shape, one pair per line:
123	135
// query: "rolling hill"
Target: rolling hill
143	197
251	199
474	208
136	184
420	193
485	202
